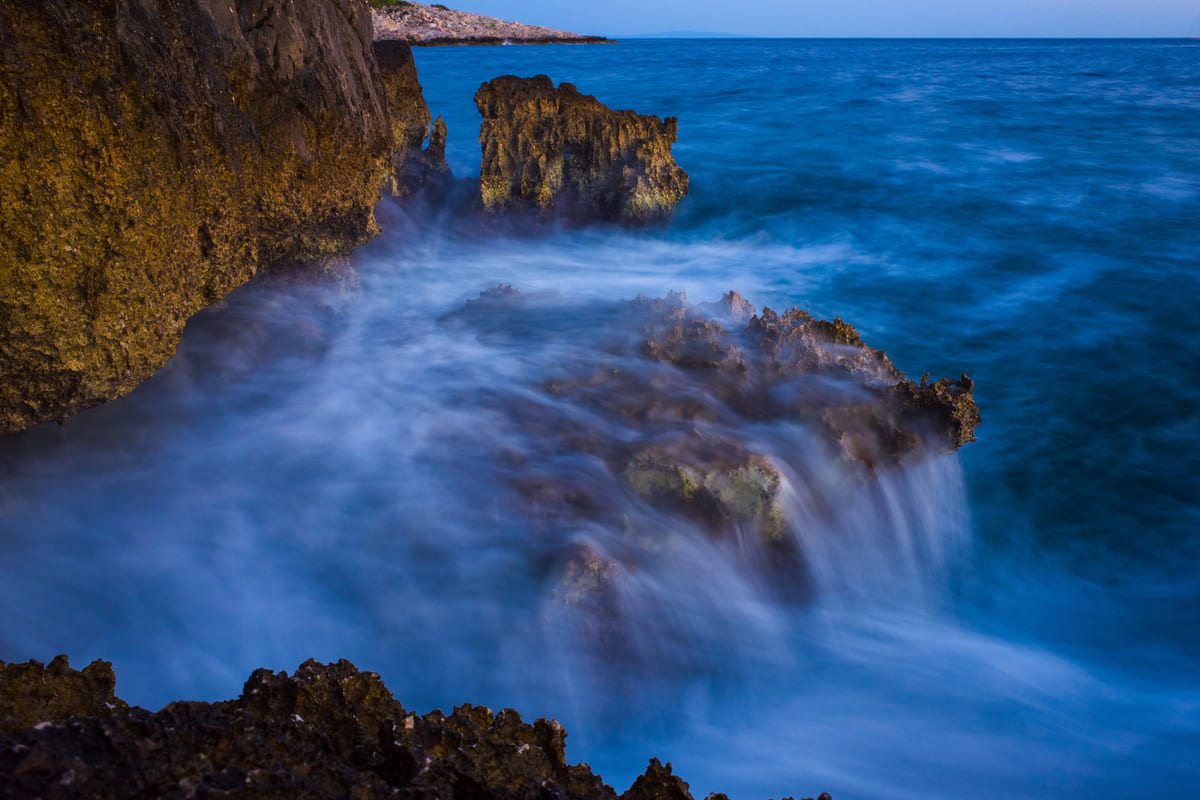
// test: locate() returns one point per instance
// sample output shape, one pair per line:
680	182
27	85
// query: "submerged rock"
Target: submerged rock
554	149
677	415
155	155
716	483
328	731
795	366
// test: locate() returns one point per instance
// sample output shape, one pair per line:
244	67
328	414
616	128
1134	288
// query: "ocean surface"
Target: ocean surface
322	473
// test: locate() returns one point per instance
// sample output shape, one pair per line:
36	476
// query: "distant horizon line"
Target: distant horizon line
714	35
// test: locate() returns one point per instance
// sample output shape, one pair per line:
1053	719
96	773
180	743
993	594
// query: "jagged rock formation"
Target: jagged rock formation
31	693
678	409
412	166
427	25
554	149
329	731
153	156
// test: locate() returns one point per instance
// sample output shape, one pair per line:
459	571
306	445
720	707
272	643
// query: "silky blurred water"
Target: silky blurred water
328	475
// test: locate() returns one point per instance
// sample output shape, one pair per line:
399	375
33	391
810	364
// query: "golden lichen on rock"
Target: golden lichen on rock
154	156
412	166
717	484
547	148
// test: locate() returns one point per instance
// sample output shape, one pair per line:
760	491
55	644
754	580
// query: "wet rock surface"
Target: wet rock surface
679	409
556	151
155	155
328	731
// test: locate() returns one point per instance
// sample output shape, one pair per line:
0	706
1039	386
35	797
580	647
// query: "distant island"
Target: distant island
431	25
687	35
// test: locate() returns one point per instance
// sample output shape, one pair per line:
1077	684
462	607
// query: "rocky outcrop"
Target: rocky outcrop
555	150
329	731
31	693
414	164
677	412
428	25
153	156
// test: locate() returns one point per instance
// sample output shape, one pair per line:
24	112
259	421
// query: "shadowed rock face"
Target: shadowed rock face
558	150
412	166
153	156
329	731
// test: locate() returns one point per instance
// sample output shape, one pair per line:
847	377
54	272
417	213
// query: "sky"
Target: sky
817	18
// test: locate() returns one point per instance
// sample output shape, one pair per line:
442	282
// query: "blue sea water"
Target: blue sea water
322	475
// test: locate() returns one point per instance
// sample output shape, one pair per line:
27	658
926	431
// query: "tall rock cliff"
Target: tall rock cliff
554	148
154	154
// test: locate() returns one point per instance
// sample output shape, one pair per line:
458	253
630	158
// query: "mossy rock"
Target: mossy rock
154	156
554	150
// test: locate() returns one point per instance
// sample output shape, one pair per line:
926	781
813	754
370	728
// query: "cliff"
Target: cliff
427	25
153	156
329	731
554	149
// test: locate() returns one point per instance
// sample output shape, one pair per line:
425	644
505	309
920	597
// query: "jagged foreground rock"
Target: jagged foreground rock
329	731
156	154
554	149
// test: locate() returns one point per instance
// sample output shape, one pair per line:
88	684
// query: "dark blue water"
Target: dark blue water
323	475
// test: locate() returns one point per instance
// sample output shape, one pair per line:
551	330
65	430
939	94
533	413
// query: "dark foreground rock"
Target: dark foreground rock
329	731
31	693
556	150
156	154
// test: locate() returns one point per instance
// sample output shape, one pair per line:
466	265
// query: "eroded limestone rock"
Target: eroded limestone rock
414	164
32	692
671	399
153	156
765	370
713	481
328	731
556	150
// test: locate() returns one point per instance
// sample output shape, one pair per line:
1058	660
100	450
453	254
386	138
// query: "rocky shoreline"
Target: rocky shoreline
327	731
153	159
436	25
156	155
